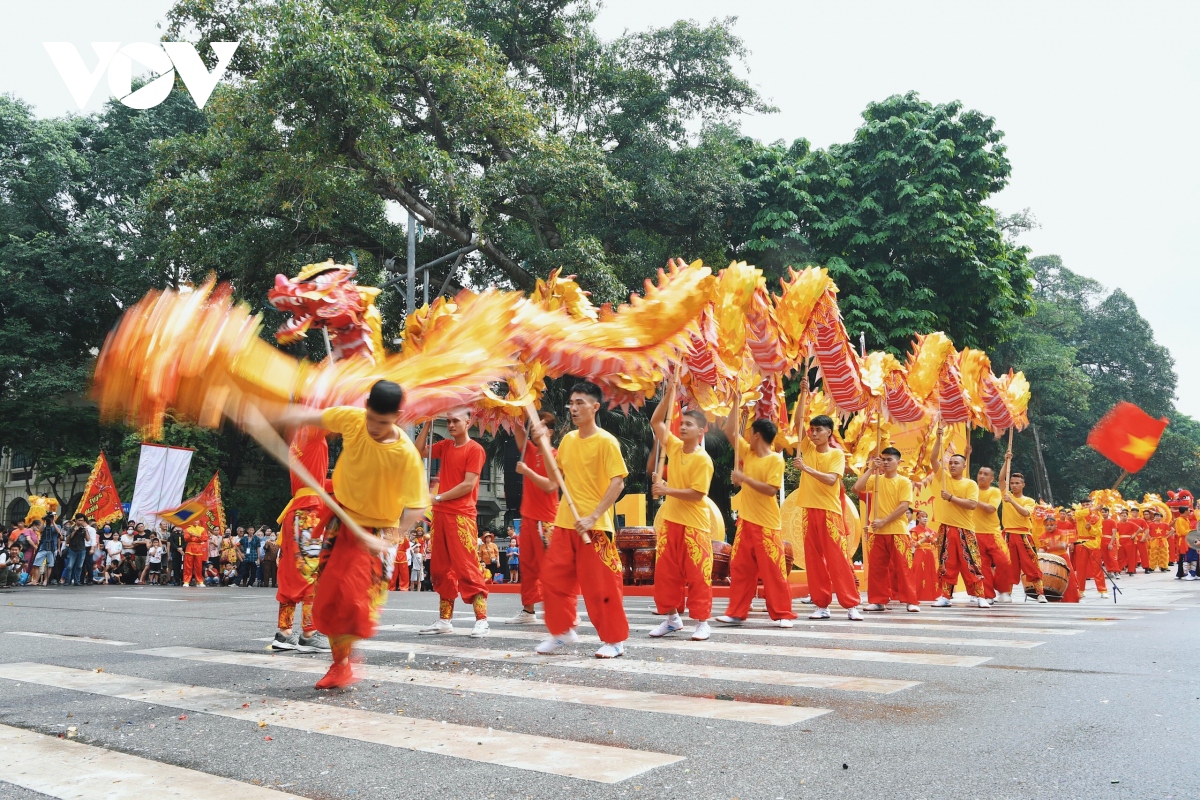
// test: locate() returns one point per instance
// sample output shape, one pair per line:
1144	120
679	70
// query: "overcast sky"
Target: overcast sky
1097	101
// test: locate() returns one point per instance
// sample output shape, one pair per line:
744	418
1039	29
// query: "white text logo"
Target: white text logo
161	58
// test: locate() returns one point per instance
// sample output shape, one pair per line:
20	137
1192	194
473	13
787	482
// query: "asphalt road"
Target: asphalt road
1024	701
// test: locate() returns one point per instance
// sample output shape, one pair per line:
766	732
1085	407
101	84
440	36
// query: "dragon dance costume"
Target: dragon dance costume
302	529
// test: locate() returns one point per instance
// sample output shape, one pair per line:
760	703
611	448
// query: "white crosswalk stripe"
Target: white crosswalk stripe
648	702
594	762
74	771
769	677
67	638
872	621
846	636
742	648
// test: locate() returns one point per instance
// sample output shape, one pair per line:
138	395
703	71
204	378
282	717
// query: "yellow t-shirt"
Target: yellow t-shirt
374	482
813	493
588	466
1013	521
687	471
761	509
985	522
892	492
945	512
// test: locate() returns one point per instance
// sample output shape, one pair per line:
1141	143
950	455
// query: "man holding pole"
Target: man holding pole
683	564
993	554
539	507
454	560
1016	516
888	497
954	511
581	553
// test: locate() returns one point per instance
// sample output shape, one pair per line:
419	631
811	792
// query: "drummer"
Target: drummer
1016	513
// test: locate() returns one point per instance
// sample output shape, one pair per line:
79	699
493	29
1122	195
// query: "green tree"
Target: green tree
899	216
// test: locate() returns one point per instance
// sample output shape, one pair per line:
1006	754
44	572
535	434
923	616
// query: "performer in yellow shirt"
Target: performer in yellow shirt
379	480
826	564
594	473
758	545
954	511
1017	517
993	554
683	563
888	496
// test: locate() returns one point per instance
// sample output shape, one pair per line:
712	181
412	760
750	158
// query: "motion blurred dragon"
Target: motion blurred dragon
326	296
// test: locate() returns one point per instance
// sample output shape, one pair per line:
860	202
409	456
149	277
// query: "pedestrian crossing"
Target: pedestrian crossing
780	680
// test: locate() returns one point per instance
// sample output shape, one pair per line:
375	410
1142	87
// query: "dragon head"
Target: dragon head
326	296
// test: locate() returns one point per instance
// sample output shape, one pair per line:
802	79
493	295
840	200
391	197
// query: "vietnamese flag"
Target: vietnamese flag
1127	436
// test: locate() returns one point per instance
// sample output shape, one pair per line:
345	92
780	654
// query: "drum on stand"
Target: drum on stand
1055	576
637	547
720	569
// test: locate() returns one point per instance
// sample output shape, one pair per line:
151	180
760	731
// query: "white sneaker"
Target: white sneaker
702	631
481	629
875	607
1189	577
983	602
441	626
725	619
942	602
1004	597
1042	598
806	600
854	614
523	617
783	623
820	613
611	650
914	607
669	625
556	643
1104	595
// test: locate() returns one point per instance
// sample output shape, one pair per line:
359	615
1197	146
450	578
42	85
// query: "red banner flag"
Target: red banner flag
100	500
205	509
1127	436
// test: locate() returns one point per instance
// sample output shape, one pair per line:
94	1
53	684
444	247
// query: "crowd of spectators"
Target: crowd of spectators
78	552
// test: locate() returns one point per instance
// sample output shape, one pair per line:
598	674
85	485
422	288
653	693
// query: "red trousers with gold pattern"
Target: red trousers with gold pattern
758	555
572	564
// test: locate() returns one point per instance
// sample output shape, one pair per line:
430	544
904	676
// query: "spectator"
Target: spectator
48	549
27	540
270	559
250	548
229	574
214	550
416	561
514	557
212	575
10	566
127	571
229	558
75	551
127	540
141	549
91	545
154	559
489	554
176	547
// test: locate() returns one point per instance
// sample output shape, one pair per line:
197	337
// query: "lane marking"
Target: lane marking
772	677
739	648
72	770
586	761
147	599
793	633
873	621
68	638
652	702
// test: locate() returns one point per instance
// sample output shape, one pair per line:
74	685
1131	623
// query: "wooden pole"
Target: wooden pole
1120	480
548	456
1008	462
875	488
670	400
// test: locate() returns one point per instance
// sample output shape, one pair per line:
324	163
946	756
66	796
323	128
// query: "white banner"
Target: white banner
162	472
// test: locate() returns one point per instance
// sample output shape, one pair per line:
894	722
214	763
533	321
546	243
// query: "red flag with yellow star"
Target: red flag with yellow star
1127	436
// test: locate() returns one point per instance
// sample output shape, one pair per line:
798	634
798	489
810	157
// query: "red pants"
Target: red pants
193	567
351	587
825	563
925	573
1143	554
683	571
533	553
758	555
1172	549
889	563
1129	555
1022	559
1086	564
959	554
570	563
454	558
1111	555
994	563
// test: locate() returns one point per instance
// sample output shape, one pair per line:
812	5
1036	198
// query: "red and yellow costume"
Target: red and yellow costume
825	563
993	550
1127	531
683	561
958	550
889	549
758	553
454	561
1158	549
925	563
571	565
1141	541
1109	545
195	553
301	531
1022	552
538	510
1086	559
375	483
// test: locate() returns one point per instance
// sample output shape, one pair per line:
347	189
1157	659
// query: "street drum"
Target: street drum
1055	575
720	568
637	547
